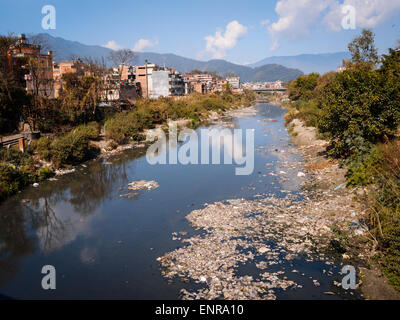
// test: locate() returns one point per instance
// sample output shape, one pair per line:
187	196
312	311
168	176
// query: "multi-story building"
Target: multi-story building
234	82
166	83
127	73
144	76
38	77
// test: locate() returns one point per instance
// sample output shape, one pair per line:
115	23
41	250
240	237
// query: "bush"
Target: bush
42	147
13	179
121	128
362	166
385	210
15	157
303	87
89	131
358	109
45	173
70	149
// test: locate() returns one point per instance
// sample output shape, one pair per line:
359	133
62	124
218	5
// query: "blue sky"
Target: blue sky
236	30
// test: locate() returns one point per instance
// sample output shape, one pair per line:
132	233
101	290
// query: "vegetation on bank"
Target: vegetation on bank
358	111
18	169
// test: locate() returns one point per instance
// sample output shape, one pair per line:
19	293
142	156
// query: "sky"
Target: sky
240	31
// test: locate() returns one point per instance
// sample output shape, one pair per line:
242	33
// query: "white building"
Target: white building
234	82
166	83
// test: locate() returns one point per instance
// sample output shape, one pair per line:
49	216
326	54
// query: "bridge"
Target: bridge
19	139
265	90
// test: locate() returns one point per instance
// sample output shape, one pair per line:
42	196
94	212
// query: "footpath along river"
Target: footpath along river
107	246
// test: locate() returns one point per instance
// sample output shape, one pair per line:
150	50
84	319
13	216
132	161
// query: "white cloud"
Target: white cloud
219	43
298	17
369	13
143	44
265	23
112	45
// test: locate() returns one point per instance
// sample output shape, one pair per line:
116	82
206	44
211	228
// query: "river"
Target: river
105	246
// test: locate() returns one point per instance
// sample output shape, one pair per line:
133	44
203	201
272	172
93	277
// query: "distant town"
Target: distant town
125	81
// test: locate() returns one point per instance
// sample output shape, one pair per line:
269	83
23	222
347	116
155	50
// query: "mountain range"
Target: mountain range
269	69
321	63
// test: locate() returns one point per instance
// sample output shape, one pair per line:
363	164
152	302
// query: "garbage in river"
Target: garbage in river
143	185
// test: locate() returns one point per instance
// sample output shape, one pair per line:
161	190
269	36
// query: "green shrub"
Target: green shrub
90	130
42	147
13	179
385	210
45	173
122	127
362	166
303	87
358	109
15	157
70	149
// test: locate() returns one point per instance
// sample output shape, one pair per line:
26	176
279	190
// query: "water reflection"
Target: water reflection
14	243
58	212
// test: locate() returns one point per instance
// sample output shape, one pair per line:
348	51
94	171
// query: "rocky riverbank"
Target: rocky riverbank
328	182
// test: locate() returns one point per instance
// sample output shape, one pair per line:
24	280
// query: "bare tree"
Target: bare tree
120	58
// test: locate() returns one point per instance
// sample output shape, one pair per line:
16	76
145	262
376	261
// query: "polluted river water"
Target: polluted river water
106	245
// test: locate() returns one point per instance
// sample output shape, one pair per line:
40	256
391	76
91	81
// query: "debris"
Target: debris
143	185
301	174
263	250
35	185
338	187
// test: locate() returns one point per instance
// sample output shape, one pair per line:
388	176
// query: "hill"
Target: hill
308	63
64	50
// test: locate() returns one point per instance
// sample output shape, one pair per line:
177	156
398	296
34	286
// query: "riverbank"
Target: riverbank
328	182
52	155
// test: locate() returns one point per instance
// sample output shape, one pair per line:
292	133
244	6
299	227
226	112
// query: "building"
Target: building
220	85
234	82
128	73
166	83
38	75
188	80
199	82
62	68
120	87
144	76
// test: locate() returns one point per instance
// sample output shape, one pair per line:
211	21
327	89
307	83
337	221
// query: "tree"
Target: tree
12	93
360	108
81	96
120	58
303	87
363	50
230	74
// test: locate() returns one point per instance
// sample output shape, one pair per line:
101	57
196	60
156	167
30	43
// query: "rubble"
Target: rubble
143	185
238	231
269	231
